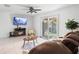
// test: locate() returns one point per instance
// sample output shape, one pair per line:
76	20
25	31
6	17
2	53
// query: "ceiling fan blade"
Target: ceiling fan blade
28	11
35	12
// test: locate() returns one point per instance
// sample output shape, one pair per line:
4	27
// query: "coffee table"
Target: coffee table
30	38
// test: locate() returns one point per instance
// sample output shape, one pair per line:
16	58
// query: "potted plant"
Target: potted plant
71	24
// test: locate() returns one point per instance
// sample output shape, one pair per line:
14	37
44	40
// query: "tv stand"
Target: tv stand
18	32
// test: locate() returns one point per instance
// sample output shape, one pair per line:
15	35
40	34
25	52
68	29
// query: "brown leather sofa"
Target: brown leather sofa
68	46
50	48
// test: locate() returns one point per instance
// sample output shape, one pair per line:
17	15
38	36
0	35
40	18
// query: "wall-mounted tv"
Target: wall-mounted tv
19	21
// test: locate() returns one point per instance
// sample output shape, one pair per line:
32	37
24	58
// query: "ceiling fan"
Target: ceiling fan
33	10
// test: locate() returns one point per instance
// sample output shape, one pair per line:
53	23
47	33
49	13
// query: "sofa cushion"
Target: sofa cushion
73	37
69	41
71	44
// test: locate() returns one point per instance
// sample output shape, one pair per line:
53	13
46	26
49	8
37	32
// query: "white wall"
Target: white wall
69	12
65	13
6	24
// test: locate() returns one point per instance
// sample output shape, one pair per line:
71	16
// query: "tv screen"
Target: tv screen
19	21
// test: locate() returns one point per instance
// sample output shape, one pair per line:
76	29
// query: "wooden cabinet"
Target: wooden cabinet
18	32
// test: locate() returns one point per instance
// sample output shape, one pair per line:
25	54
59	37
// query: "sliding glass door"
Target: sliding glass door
50	27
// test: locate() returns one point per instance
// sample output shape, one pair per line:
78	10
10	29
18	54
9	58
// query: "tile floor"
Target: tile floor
13	45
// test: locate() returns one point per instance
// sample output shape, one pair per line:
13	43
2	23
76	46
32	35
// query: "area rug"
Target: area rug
28	46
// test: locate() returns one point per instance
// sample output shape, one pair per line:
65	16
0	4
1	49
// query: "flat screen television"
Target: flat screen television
19	21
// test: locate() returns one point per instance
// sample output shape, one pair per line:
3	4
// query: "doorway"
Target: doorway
50	27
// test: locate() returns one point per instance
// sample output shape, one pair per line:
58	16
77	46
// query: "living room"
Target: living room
37	22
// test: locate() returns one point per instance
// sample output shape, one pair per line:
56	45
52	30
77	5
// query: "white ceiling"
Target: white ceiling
23	8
